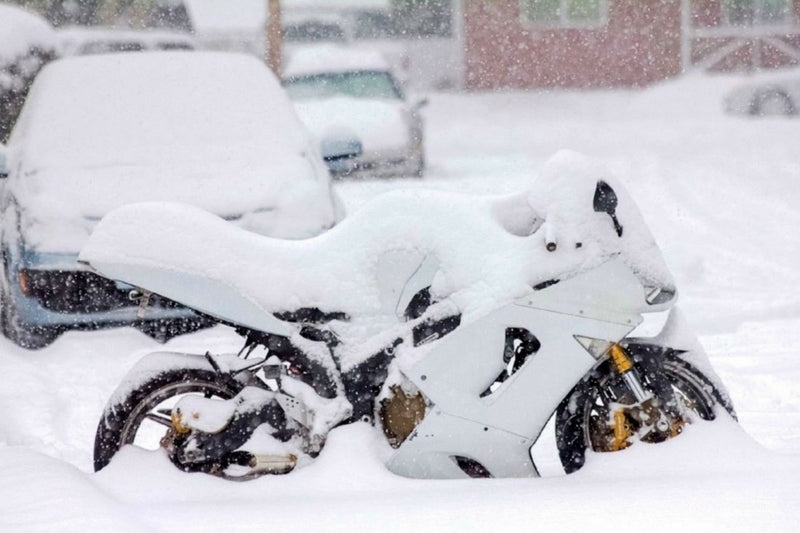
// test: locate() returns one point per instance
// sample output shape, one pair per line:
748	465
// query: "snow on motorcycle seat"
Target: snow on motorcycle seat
481	255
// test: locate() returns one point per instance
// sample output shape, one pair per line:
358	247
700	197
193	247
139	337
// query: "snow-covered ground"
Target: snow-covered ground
721	195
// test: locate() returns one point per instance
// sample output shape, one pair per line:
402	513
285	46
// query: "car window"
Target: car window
362	84
309	32
105	47
174	46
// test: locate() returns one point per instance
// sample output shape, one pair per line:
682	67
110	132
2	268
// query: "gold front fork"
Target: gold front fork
645	415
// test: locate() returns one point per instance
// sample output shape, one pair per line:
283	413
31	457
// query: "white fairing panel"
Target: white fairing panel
466	362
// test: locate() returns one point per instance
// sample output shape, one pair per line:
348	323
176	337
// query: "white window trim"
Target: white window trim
564	22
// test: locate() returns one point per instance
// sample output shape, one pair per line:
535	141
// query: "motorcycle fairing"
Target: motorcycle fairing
463	364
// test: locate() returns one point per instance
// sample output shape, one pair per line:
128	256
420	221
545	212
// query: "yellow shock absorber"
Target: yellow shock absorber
620	358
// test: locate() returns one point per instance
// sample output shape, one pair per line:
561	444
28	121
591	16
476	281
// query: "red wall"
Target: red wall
639	45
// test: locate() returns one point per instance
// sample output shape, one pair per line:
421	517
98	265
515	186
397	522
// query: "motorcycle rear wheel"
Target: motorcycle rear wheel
147	404
582	418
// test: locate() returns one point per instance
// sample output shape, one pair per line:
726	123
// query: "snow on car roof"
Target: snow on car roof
332	58
20	30
190	127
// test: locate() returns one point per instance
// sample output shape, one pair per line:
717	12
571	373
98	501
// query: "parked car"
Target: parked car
350	97
94	40
767	94
214	130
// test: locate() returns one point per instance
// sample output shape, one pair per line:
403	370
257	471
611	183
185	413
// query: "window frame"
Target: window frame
564	21
757	14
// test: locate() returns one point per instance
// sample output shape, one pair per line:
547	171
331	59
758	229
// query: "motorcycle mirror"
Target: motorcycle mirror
605	201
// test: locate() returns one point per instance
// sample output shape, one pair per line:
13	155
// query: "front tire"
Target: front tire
21	334
582	418
125	417
772	102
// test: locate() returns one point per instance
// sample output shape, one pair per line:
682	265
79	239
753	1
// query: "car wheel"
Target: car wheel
419	168
772	102
25	335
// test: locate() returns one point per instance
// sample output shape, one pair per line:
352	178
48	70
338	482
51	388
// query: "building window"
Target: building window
755	12
564	13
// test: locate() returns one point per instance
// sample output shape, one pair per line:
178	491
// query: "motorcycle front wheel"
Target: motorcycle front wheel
584	417
140	415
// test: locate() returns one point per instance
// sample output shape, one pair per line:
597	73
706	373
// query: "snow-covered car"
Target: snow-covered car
27	42
767	94
209	129
87	41
350	97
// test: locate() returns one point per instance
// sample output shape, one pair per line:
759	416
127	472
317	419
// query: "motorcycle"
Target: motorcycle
459	326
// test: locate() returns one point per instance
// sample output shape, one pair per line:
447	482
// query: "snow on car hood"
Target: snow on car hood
61	208
379	124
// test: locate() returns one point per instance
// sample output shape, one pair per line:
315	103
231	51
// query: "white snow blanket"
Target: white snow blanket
719	193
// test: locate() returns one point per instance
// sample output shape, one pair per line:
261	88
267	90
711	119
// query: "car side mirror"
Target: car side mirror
335	148
340	152
3	162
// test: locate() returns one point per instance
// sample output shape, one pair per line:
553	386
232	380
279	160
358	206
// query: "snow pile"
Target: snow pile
213	130
485	257
27	42
328	58
20	32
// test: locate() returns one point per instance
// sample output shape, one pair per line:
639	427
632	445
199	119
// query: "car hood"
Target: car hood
287	198
379	124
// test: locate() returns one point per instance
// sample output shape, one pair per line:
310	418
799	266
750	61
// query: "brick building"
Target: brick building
603	43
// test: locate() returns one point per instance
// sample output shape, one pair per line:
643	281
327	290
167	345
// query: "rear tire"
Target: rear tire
123	416
582	417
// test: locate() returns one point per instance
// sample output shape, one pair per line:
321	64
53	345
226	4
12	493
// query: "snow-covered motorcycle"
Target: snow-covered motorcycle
457	325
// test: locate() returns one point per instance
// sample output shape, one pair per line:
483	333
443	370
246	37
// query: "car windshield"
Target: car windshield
361	84
106	47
